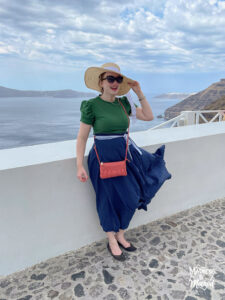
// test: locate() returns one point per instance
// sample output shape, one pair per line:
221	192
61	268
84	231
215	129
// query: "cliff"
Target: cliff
198	101
216	105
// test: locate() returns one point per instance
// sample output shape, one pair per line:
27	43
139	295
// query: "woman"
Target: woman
117	198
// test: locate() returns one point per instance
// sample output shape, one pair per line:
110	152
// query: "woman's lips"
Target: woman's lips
114	89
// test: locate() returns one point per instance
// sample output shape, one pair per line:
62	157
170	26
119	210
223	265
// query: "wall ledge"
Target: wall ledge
45	153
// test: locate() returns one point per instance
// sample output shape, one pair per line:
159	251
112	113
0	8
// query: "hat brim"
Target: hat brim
91	79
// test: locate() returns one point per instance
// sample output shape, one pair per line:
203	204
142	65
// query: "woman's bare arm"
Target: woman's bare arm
81	142
144	112
141	112
80	149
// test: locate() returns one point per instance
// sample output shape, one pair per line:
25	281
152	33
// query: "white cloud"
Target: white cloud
7	49
156	35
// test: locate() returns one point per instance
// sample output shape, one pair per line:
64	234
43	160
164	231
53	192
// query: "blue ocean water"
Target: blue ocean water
31	120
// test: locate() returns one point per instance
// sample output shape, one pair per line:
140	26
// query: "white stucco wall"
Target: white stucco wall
46	211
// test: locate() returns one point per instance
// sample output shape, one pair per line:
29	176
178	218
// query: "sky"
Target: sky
166	45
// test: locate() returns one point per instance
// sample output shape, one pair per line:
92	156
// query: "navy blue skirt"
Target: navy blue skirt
117	198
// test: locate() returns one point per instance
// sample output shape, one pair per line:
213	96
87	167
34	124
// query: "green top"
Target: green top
104	116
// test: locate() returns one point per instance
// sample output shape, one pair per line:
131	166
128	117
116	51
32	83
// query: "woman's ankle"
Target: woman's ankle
119	234
111	237
119	237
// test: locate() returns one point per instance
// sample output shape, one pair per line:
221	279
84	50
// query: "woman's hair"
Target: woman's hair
101	76
100	79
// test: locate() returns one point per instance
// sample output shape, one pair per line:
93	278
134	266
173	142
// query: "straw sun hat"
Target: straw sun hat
92	74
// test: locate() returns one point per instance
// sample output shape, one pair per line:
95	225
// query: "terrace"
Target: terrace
52	245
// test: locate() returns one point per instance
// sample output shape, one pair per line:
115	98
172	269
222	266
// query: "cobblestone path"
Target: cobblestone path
178	257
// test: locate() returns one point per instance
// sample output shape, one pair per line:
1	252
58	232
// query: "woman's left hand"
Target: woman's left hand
135	87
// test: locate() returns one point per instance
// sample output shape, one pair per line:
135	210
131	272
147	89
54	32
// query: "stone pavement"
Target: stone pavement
178	257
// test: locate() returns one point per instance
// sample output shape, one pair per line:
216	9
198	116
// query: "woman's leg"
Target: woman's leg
113	243
120	237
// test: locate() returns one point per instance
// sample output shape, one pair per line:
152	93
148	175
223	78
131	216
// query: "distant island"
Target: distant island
7	92
180	96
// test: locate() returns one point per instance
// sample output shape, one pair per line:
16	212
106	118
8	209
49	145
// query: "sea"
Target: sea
27	121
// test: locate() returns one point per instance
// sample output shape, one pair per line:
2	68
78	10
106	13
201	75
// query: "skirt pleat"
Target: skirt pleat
117	198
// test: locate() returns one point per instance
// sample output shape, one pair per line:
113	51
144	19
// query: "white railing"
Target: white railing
220	114
192	117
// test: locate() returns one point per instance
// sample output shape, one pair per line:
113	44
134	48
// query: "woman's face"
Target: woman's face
110	88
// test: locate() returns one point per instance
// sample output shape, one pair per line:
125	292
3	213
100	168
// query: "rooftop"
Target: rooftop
178	257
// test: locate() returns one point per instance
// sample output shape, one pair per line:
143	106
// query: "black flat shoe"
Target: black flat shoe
120	257
130	248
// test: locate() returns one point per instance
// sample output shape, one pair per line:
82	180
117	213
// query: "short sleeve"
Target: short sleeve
87	115
127	105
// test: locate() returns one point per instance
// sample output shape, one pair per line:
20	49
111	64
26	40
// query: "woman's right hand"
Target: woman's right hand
82	174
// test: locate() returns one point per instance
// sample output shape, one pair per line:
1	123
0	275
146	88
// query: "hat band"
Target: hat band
112	69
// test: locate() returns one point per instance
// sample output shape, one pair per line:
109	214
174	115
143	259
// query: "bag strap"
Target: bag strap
127	135
128	127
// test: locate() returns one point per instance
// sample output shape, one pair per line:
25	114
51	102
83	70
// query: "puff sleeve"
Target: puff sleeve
127	105
87	115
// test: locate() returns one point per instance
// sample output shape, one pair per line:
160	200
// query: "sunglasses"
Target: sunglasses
111	79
